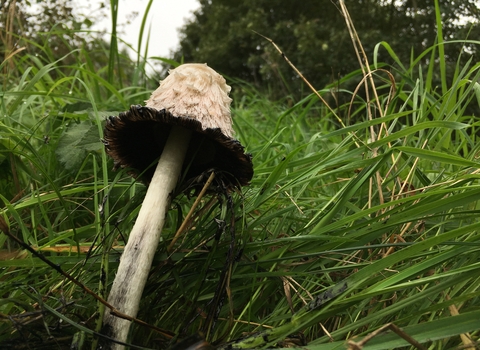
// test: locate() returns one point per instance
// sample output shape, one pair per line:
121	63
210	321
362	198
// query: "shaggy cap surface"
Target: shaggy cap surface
195	91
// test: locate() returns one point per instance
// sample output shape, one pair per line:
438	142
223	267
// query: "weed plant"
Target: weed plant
357	216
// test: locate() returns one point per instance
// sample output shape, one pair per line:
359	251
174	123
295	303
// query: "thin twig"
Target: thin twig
4	227
466	337
192	209
358	141
390	326
301	76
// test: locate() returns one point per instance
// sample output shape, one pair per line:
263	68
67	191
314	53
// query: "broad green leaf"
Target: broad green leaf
76	142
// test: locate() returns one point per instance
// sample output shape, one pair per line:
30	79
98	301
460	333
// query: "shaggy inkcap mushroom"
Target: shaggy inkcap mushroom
185	126
194	97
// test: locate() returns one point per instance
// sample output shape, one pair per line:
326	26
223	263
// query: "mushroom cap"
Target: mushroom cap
195	97
196	91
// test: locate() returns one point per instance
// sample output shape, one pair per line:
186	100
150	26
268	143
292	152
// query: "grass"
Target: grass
343	230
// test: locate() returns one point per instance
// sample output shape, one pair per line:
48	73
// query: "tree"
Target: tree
314	36
62	31
27	24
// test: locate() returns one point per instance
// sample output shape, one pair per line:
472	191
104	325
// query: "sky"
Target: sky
165	18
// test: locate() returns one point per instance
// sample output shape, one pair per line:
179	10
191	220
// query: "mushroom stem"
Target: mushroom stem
136	260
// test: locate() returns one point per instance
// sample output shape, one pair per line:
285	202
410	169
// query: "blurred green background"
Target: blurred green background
363	209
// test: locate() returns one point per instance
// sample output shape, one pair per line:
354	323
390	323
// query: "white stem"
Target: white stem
136	260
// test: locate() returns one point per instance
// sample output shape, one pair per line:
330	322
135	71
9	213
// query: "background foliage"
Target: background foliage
315	37
357	216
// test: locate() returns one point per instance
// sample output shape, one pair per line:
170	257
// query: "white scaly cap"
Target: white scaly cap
195	91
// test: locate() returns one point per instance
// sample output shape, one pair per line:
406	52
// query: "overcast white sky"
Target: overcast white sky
165	17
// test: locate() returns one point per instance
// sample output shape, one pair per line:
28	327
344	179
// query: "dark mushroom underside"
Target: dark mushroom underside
135	140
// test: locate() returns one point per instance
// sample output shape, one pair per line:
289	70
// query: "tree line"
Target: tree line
313	35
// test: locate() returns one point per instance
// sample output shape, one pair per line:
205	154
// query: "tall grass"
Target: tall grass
343	230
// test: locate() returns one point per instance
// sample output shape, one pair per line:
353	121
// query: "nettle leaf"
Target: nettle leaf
77	140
